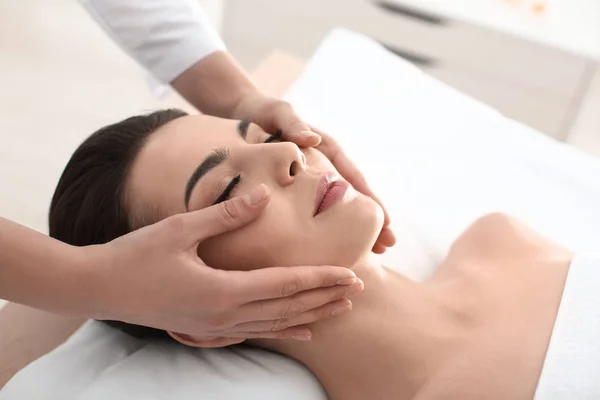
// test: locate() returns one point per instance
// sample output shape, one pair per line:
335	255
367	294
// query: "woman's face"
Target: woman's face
194	161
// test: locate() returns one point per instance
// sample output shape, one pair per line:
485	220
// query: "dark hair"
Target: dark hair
88	206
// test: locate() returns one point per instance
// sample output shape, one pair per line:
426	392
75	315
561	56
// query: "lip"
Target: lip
330	190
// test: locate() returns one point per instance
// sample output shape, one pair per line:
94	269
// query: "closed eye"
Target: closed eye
226	195
275	137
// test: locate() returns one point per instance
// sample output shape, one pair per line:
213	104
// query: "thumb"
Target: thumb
297	131
226	216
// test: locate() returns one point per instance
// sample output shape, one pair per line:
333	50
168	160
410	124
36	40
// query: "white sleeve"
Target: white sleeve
165	36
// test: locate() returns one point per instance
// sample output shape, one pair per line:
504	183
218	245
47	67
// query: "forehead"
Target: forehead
162	167
203	131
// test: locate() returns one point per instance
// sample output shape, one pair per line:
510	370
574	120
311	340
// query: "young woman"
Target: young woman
478	329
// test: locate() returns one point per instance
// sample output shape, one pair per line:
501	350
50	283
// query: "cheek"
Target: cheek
232	251
316	159
280	238
268	241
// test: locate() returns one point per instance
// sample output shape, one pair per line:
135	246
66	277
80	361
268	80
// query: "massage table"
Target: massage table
438	158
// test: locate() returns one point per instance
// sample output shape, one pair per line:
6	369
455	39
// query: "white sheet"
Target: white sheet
439	158
571	370
100	363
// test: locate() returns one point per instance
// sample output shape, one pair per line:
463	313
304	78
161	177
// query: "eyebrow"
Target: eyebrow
213	160
242	128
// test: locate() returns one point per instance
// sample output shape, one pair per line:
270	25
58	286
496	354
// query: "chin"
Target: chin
358	229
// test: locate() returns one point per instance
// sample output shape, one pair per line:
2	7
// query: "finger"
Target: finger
225	216
277	282
301	333
350	172
218	342
342	163
378	248
290	307
346	168
387	237
333	309
386	216
293	128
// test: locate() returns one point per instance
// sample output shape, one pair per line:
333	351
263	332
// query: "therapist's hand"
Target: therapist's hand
346	167
219	86
154	277
272	114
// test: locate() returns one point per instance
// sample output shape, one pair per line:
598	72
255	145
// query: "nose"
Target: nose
287	161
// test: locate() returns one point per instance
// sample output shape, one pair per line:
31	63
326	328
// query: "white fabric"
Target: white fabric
165	36
572	366
100	363
438	158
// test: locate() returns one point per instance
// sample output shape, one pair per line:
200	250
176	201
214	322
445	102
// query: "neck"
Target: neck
369	270
394	327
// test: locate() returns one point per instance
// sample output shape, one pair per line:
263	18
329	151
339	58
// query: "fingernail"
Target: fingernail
257	195
348	281
303	337
308	134
341	309
356	288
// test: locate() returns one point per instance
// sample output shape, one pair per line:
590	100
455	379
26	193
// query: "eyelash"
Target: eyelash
272	138
228	190
226	195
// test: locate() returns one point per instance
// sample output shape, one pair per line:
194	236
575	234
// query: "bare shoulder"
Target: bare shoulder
500	236
510	280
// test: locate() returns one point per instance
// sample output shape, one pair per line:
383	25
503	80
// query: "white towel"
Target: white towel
571	370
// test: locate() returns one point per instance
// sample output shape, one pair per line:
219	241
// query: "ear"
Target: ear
195	341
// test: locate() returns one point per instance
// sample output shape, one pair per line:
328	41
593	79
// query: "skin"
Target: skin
217	303
219	86
286	232
479	328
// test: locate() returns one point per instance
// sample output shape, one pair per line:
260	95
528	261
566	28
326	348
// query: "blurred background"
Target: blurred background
61	78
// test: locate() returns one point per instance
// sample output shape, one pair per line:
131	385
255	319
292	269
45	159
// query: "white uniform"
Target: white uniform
166	37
